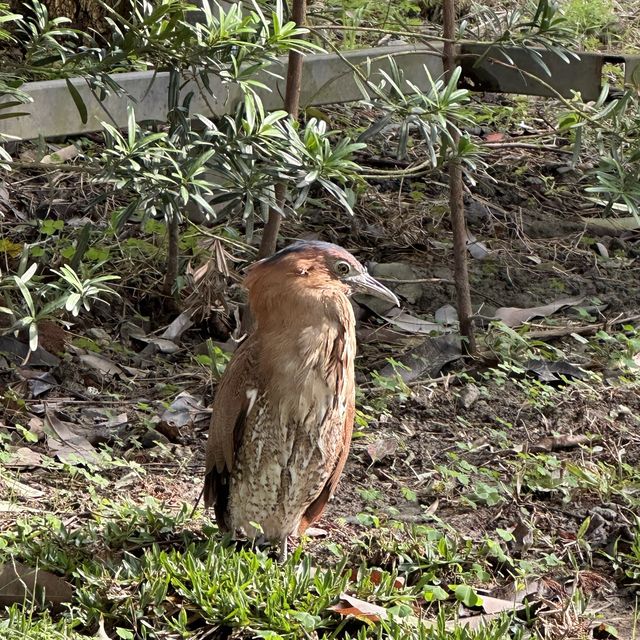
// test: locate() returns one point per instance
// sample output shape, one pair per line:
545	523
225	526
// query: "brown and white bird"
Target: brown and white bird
284	409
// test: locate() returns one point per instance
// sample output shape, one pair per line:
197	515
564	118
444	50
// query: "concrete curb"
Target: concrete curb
327	79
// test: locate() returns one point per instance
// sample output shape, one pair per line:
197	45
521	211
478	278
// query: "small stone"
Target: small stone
402	274
99	334
468	395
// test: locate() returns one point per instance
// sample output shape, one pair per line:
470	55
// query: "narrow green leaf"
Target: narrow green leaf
33	336
79	102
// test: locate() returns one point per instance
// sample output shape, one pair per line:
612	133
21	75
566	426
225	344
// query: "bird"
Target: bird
282	417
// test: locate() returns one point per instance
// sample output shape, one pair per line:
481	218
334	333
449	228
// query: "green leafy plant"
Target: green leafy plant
228	169
620	347
431	113
626	557
526	25
29	300
589	16
610	124
215	360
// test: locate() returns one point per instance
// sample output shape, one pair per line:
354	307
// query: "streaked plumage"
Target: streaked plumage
283	412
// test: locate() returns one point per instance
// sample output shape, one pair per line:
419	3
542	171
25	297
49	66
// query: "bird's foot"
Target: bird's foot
262	542
284	550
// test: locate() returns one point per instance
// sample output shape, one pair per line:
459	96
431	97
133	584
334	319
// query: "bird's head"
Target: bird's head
316	268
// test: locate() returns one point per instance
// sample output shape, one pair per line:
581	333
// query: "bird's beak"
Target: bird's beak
366	284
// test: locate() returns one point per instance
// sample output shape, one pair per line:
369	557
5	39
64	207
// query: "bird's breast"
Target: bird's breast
293	434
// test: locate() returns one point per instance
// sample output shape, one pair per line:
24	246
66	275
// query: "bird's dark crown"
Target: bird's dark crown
317	247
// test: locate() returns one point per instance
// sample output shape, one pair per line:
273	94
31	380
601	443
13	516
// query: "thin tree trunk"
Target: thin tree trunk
456	203
292	106
172	254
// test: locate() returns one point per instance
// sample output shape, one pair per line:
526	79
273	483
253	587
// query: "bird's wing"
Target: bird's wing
225	430
315	509
345	386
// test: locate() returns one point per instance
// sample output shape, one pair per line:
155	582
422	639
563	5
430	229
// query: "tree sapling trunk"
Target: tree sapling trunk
456	203
292	106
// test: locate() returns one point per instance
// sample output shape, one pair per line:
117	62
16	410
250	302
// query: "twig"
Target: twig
456	193
414	281
583	330
292	107
524	145
210	233
72	168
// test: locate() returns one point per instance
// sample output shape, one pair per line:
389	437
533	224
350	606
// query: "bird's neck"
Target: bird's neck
306	342
290	311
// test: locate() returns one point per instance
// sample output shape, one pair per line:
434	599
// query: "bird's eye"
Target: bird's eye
342	268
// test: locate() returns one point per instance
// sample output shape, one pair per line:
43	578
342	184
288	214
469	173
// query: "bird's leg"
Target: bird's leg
260	542
282	557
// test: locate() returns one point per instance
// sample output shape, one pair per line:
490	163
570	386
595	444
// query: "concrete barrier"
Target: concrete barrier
327	79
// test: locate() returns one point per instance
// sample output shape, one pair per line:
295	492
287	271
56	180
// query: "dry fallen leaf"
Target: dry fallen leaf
361	609
411	324
116	421
39	381
184	410
15	488
19	583
101	364
477	249
491	609
19	352
61	155
382	448
548	371
23	458
560	442
427	359
498	605
474	622
514	316
612	224
13	507
376	576
67	445
175	330
447	315
432	508
101	633
161	344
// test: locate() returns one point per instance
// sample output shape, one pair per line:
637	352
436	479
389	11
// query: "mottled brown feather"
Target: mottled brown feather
227	421
317	507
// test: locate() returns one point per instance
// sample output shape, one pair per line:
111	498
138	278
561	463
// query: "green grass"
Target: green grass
149	572
145	573
20	623
589	16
